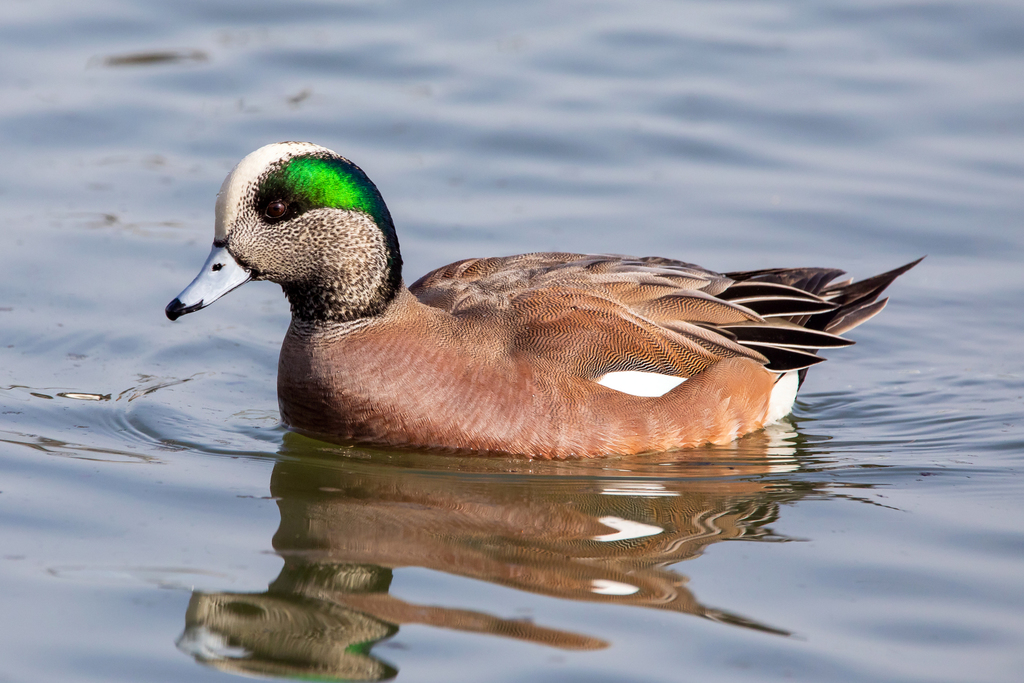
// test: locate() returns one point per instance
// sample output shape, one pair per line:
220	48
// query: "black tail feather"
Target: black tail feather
796	317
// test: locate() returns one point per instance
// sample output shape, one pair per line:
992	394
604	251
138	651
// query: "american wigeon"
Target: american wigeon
548	355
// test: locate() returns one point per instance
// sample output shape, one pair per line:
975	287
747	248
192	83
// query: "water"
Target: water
158	524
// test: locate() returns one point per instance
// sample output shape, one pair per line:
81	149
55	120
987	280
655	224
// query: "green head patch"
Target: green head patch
311	182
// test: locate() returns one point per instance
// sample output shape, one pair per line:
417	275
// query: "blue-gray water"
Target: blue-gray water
171	530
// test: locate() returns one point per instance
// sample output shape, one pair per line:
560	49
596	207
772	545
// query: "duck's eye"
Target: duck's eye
276	209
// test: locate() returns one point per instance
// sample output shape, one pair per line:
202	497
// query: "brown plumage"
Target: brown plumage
506	354
502	354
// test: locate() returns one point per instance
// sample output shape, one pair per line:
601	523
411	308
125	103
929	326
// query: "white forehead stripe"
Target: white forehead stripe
241	179
640	383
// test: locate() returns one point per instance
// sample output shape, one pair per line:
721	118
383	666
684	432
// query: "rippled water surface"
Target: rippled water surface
158	524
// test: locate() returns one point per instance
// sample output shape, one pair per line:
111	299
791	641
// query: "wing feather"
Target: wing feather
601	313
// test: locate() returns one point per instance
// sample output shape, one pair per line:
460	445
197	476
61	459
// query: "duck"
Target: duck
542	355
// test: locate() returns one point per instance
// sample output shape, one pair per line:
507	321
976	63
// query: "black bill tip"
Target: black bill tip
176	309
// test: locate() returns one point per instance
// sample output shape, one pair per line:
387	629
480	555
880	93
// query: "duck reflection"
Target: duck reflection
608	535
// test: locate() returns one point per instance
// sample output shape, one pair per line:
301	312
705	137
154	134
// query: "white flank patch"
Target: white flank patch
626	529
606	587
638	489
783	395
245	173
640	383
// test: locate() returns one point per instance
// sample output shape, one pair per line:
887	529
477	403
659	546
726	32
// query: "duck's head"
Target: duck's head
300	215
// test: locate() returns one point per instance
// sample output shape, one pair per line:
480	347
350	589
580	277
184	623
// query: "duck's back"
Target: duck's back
695	316
542	354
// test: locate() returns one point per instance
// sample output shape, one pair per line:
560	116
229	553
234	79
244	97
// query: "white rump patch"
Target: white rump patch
608	587
626	529
640	383
783	396
781	452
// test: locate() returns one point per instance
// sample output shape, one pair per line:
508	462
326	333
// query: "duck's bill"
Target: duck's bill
220	274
